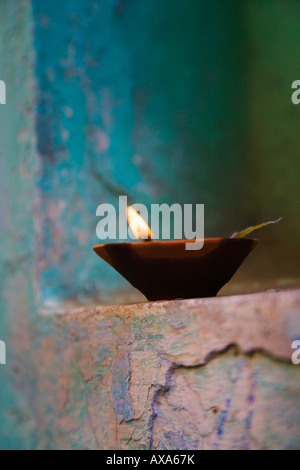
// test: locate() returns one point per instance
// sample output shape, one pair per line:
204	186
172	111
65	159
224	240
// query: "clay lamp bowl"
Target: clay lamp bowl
165	270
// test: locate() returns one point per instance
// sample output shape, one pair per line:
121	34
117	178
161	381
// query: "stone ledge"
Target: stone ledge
268	321
187	374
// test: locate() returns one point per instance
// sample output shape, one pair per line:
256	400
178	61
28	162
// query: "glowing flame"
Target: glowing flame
138	226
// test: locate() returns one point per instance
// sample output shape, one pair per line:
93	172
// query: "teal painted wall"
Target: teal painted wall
134	98
17	252
168	101
272	145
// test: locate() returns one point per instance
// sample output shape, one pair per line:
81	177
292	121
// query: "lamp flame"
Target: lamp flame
138	226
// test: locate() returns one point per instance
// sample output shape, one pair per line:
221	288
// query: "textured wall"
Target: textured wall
165	102
272	146
133	99
17	303
172	375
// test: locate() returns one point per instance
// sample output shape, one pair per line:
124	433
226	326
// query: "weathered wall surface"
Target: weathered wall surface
272	144
164	102
133	99
17	186
198	374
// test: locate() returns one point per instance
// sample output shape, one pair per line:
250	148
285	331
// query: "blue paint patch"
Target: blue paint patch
121	389
222	419
251	399
180	440
249	420
158	336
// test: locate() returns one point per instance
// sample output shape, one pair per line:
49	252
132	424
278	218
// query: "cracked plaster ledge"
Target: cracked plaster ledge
187	374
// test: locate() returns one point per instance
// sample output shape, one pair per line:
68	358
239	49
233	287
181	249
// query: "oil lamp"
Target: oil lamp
165	270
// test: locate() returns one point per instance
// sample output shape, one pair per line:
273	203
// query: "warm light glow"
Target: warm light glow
138	226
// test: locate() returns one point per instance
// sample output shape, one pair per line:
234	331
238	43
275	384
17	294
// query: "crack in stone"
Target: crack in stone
163	390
